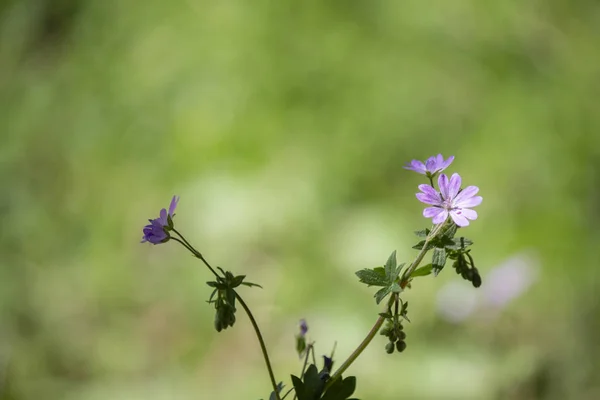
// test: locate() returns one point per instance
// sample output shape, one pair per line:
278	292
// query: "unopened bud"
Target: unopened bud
389	348
401	345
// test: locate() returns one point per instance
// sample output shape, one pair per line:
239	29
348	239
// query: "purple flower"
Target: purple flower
158	230
303	327
432	166
450	201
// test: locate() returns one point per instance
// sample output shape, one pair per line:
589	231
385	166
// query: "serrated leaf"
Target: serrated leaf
422	233
372	277
459	243
395	288
419	246
450	231
397	272
438	260
380	270
381	293
422	271
390	266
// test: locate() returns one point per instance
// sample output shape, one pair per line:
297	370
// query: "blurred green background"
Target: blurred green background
284	126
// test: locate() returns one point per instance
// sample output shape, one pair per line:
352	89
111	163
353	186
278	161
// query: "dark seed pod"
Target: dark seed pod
384	331
389	348
402	335
218	323
456	266
400	345
476	279
470	274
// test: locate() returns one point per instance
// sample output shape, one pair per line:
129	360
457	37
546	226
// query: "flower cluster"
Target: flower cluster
451	200
449	206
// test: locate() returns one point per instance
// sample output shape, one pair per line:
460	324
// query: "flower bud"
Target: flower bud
400	345
389	348
476	280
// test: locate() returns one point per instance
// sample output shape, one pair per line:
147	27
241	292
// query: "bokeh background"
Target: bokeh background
283	126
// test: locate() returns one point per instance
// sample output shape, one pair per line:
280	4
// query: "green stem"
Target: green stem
367	340
261	341
408	272
361	347
308	350
263	346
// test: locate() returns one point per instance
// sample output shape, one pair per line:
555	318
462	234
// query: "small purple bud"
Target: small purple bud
303	327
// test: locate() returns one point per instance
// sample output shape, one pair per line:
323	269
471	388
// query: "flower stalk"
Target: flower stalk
403	282
257	331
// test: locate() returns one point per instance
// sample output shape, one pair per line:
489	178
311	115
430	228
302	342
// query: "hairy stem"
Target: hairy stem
404	280
261	341
263	346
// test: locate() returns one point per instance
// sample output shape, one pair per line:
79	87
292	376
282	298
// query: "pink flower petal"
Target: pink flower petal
428	190
163	217
431	164
454	186
417	166
431	212
466	193
173	205
447	163
470	202
441	217
458	218
428	199
469	214
443	184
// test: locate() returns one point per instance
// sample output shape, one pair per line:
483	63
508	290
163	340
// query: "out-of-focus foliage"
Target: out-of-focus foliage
283	126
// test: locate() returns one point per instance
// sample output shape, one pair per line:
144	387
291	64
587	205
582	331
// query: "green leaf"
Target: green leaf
395	288
280	387
300	345
422	271
419	246
299	388
237	281
404	311
422	233
390	266
381	293
458	243
397	272
250	284
450	231
313	384
372	277
438	260
385	315
341	389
